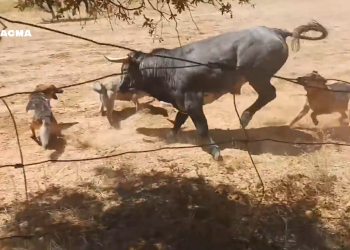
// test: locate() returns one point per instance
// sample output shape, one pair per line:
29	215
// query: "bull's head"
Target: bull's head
312	80
131	77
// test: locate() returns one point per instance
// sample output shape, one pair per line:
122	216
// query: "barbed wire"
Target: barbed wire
19	165
246	141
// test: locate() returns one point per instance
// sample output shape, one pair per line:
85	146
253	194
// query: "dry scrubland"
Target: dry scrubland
174	199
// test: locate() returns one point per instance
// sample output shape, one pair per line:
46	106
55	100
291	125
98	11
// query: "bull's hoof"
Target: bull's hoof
215	152
171	137
245	119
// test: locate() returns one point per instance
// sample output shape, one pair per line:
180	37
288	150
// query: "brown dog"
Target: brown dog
321	100
40	115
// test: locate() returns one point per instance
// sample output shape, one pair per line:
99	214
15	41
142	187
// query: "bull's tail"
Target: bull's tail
297	33
312	26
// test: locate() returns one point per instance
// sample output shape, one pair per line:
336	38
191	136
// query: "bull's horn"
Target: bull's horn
117	59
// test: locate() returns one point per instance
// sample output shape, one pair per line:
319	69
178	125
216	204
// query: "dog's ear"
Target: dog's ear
41	88
54	89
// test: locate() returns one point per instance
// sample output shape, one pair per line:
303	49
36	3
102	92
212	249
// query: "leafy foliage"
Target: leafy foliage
127	10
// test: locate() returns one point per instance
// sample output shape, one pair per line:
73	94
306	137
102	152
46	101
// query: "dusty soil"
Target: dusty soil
173	199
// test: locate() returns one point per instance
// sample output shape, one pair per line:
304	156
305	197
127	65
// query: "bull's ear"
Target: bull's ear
136	56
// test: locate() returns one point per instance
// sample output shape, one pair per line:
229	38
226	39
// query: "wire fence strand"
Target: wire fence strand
246	141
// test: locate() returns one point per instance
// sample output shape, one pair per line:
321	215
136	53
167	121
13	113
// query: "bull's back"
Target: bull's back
231	44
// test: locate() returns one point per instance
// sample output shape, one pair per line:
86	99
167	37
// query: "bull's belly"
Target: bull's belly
211	97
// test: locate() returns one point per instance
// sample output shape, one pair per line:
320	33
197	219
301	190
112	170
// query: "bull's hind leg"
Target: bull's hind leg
266	93
313	116
194	107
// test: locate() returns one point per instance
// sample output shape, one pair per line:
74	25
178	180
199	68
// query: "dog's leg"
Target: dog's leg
136	102
343	119
56	130
102	110
302	113
32	128
45	132
109	105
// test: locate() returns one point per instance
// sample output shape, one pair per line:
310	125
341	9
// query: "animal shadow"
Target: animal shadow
125	113
59	147
339	134
57	143
155	110
121	115
276	140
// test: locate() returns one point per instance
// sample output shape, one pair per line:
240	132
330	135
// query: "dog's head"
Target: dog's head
312	80
49	91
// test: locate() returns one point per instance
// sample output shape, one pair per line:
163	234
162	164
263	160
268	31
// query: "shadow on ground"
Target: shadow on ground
125	113
159	211
339	133
280	133
57	143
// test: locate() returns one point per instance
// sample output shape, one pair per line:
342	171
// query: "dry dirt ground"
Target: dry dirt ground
173	199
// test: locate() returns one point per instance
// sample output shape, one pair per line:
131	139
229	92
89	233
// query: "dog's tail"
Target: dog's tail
44	132
98	87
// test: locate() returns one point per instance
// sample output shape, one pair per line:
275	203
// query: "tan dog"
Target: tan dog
109	92
39	111
322	101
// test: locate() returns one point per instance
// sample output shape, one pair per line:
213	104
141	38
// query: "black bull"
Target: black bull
254	55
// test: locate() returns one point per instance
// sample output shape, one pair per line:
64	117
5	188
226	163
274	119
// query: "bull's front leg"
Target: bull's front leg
180	119
194	107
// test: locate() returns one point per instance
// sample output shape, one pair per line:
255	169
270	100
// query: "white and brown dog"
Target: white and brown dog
40	115
109	93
